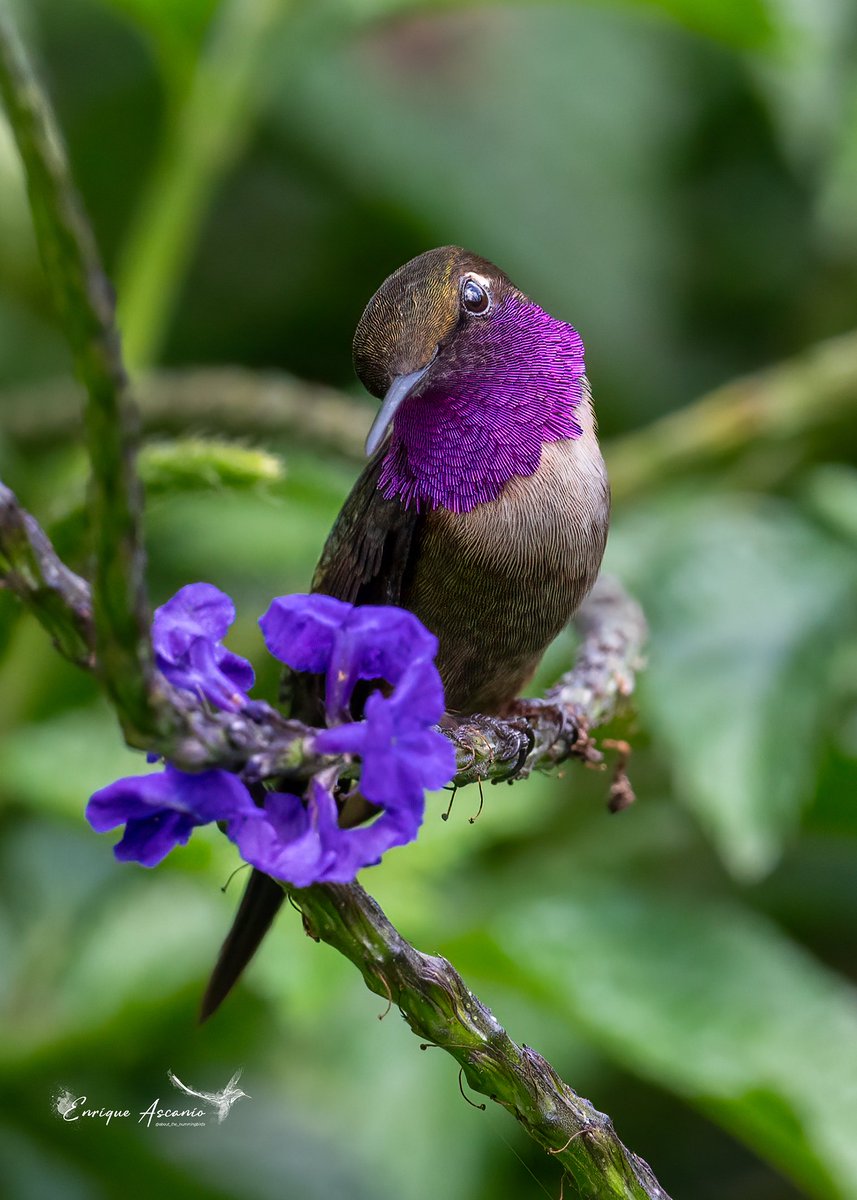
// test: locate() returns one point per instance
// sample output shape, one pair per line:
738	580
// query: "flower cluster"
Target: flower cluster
295	838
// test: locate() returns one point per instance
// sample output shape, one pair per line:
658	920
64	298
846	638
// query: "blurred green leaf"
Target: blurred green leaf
142	948
265	542
745	600
837	217
87	742
515	160
809	85
95	936
176	30
745	24
831	493
708	1000
32	1169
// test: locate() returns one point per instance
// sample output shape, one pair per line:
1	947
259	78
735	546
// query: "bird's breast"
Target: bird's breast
498	583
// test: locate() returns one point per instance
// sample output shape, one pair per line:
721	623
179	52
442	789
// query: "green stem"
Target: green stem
204	135
797	403
441	1009
84	302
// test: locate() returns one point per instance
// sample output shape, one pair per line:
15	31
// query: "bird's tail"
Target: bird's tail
259	905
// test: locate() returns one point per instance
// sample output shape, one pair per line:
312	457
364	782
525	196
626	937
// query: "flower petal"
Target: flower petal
401	756
237	670
160	810
342	739
214	795
150	840
435	754
375	642
197	609
129	799
186	633
300	630
293	842
303	844
394	827
418	697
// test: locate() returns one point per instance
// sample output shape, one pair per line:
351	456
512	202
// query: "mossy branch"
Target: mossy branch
441	1009
31	569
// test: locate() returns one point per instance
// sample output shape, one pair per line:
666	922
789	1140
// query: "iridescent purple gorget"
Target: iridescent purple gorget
466	431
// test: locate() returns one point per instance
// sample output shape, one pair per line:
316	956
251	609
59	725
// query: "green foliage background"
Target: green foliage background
678	179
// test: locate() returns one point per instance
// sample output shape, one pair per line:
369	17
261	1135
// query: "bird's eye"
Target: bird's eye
475	298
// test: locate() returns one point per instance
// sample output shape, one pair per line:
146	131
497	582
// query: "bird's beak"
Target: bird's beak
401	386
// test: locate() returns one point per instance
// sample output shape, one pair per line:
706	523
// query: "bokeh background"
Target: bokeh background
678	178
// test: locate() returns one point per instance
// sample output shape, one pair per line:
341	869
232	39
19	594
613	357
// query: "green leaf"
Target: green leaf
88	744
171	468
746	602
176	30
747	24
831	493
709	1001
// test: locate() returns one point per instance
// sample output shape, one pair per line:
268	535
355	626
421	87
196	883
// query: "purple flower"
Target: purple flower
186	634
402	754
293	838
303	843
161	810
320	634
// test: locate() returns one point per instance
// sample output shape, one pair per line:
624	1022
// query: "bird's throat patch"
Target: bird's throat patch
500	390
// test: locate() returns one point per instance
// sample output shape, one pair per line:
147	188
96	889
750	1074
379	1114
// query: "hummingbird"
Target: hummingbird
484	505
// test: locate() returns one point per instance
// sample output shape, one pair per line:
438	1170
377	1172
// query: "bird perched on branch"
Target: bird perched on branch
483	508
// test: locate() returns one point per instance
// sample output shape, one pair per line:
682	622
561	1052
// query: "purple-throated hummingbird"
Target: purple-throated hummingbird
483	508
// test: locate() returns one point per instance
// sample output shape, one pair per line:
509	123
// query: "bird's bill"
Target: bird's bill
398	390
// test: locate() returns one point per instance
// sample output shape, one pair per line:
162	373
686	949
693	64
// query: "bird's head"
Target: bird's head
473	376
418	316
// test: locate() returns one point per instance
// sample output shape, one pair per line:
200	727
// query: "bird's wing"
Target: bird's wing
368	551
365	560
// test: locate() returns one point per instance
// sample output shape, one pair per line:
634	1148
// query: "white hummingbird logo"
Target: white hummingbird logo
221	1101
